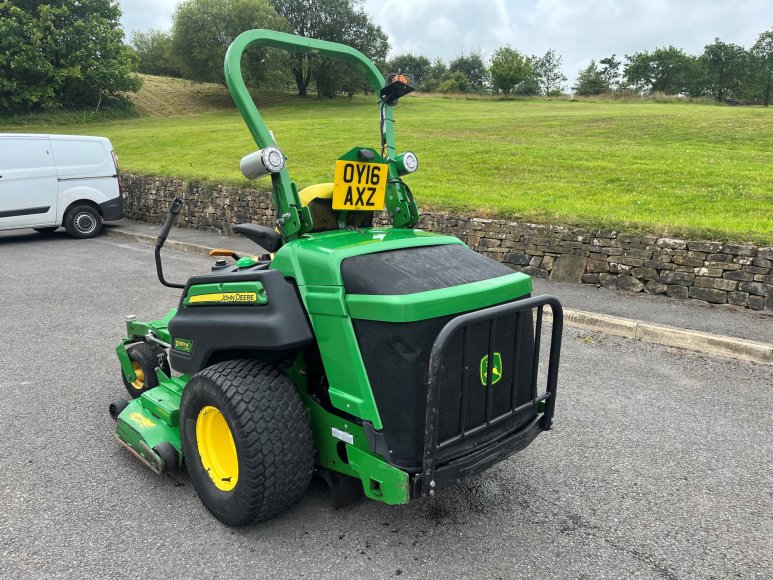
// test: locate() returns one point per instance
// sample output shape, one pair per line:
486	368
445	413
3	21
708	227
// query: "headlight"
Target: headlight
407	163
273	159
267	160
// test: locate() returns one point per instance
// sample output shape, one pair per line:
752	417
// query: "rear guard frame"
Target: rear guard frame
434	476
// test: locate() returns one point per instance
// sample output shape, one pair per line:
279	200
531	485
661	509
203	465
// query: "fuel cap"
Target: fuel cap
245	262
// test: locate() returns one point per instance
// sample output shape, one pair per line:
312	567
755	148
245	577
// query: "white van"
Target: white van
47	181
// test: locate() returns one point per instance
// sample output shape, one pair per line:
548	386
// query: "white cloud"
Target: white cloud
580	30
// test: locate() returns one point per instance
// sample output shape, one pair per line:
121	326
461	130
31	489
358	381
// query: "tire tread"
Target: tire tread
147	356
274	440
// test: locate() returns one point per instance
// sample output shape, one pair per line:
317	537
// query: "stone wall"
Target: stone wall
207	207
716	272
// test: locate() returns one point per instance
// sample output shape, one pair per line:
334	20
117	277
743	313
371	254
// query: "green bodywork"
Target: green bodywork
152	419
313	260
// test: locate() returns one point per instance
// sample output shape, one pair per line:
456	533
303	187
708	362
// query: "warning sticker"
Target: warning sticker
343	436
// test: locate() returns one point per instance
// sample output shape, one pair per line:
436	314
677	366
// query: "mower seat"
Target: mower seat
319	199
267	238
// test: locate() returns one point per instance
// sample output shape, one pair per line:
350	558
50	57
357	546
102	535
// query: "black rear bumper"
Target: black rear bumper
453	472
452	454
112	209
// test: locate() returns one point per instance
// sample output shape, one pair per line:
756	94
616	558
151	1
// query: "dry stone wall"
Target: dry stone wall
717	272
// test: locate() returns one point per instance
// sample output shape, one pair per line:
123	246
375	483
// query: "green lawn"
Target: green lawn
674	169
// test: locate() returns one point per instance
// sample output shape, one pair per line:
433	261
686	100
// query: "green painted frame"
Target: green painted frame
293	219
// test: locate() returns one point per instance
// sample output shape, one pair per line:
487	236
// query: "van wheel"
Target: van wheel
83	221
46	231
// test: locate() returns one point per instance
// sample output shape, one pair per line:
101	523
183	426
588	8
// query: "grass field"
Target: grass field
674	169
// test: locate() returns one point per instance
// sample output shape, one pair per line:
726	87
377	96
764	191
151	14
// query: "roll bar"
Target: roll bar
292	219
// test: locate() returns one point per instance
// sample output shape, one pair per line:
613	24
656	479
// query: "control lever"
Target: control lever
174	209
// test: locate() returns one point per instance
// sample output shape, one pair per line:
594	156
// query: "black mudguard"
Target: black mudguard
221	332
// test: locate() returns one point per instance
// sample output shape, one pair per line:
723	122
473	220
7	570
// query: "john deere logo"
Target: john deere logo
496	370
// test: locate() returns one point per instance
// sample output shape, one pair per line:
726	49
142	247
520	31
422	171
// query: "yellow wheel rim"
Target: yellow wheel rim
217	448
139	380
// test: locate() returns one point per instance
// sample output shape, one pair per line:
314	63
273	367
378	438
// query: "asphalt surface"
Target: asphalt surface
660	464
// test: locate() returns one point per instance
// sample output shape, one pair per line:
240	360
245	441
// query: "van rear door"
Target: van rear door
83	158
87	171
28	182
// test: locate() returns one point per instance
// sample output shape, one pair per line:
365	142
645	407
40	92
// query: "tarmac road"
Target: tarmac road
660	464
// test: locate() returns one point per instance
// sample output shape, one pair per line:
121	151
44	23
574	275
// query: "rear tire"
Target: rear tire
83	221
144	358
266	464
46	231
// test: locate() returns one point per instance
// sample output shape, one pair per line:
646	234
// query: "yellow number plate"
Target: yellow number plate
359	186
228	297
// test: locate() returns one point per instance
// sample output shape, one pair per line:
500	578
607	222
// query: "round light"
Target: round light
273	159
410	161
263	162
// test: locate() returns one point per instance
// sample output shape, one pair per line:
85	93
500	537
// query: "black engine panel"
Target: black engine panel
221	332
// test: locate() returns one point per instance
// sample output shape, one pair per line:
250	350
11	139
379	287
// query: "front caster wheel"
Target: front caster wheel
145	359
246	440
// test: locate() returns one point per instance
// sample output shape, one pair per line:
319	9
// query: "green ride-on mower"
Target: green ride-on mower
391	361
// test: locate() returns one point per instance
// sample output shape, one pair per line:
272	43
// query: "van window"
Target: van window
23	154
78	153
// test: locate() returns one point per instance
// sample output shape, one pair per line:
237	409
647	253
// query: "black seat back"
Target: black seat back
266	237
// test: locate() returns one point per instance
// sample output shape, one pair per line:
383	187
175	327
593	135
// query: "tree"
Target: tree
471	66
455	82
361	33
437	72
667	70
762	52
509	69
611	72
343	21
529	87
726	65
639	71
61	53
418	67
590	81
202	31
547	70
154	49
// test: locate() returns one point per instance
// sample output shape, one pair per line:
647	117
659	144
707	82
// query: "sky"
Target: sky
580	30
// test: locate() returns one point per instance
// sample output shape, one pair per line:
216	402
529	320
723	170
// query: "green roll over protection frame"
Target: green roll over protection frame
293	219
